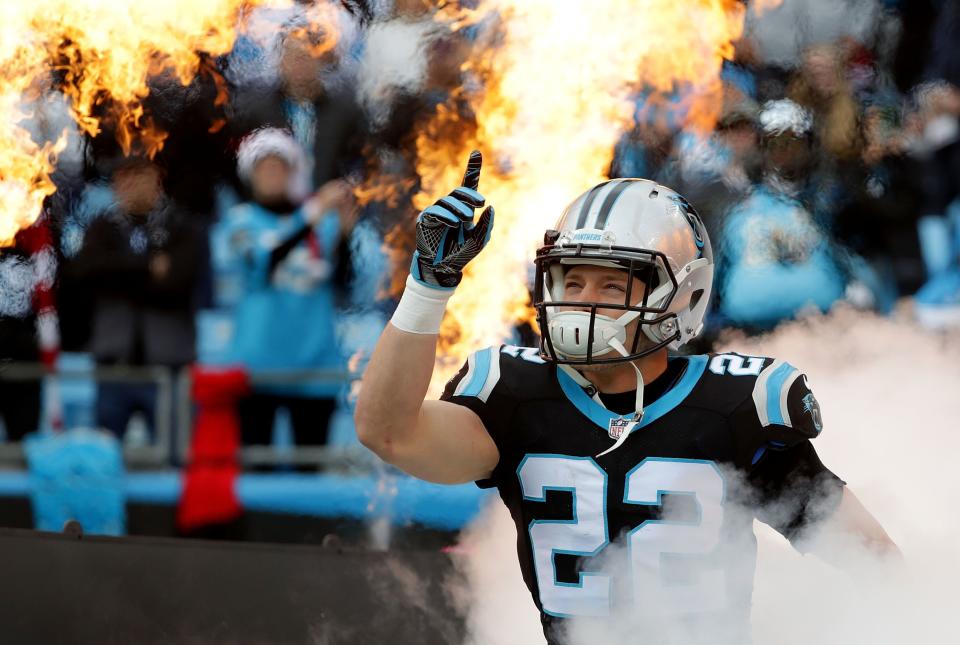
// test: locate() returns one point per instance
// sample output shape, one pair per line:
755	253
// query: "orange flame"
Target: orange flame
559	85
319	33
105	51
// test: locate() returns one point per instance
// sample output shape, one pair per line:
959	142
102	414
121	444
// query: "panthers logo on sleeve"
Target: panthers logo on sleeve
811	407
778	409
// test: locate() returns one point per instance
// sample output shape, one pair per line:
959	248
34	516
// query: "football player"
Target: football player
600	436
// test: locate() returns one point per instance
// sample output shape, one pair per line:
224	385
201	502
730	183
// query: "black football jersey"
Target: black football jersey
662	525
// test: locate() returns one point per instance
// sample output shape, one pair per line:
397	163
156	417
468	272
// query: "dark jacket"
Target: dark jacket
140	318
339	133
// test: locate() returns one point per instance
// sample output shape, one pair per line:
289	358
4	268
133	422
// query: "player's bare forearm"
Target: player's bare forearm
853	521
434	440
394	386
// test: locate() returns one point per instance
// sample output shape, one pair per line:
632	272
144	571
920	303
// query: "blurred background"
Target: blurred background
184	325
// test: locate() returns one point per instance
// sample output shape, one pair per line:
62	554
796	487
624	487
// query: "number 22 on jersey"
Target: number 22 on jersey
587	532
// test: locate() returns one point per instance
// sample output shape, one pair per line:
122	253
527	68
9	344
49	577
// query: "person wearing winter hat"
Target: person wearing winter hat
293	251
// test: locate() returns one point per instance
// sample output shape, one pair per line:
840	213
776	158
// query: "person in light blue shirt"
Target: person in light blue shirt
775	260
291	252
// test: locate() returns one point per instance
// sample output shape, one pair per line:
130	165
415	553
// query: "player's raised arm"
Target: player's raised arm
434	440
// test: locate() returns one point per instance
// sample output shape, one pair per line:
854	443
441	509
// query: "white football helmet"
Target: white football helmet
650	231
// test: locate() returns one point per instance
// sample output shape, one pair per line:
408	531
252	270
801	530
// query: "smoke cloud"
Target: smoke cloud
887	392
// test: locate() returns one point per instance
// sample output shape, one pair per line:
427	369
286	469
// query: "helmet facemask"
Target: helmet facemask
573	332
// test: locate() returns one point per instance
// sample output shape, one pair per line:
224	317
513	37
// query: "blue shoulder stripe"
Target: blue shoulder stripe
770	393
483	374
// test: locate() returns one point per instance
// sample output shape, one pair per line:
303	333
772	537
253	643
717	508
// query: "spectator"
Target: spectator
822	88
28	322
738	135
49	120
934	132
293	252
140	263
648	149
718	172
410	65
879	220
321	114
774	260
943	57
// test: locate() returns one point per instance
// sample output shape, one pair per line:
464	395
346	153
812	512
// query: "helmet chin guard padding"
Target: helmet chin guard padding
653	234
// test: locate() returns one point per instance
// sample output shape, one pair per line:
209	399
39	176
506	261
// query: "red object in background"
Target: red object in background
33	249
35	244
209	497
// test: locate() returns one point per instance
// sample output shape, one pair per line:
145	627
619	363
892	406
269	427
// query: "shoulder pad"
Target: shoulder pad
766	393
508	369
777	411
727	381
480	377
781	397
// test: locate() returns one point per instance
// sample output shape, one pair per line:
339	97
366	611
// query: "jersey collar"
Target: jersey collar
670	399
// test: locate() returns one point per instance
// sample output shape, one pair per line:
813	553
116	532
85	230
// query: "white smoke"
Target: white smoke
886	390
496	603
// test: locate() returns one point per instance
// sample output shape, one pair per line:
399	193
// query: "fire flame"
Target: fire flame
104	52
559	87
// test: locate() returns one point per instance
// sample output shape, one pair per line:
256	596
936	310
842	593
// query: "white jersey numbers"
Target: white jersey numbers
584	534
652	543
735	365
649	546
528	354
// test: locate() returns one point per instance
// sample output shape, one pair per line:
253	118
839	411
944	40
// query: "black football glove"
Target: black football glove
447	238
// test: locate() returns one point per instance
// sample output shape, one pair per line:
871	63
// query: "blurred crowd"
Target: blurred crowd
833	177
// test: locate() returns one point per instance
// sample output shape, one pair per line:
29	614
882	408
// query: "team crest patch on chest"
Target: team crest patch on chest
617	427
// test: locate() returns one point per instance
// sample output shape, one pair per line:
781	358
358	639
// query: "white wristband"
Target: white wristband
421	308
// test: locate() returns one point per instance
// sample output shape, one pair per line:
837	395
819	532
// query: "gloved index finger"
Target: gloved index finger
471	178
469	197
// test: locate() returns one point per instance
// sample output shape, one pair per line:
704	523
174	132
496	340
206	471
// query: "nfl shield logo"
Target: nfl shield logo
617	426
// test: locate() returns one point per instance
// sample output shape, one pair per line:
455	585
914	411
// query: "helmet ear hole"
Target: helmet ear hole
695	298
